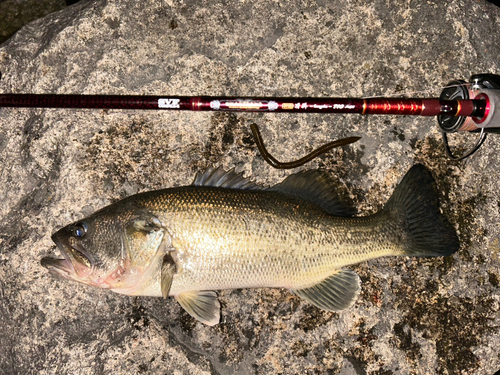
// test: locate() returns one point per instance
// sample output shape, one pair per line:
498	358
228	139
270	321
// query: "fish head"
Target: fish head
110	250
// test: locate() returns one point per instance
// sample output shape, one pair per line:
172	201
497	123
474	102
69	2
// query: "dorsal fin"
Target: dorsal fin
220	178
318	188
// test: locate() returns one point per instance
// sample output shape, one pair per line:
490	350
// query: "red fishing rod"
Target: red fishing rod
461	106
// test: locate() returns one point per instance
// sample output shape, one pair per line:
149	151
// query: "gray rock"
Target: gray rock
414	316
14	14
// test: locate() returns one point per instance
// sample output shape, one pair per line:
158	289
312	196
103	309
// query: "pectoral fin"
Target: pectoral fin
168	270
202	305
335	293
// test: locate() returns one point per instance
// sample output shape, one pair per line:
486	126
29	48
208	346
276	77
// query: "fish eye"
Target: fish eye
80	229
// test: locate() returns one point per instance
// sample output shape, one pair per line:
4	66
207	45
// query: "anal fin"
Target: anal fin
335	293
202	305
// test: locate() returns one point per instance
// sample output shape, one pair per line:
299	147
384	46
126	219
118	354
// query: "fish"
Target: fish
226	232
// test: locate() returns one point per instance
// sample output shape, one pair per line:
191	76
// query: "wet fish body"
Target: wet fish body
224	232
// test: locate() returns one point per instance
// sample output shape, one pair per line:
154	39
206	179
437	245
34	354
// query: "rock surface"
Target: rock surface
14	14
414	316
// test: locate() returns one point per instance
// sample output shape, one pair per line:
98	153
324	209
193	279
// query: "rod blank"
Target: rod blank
379	106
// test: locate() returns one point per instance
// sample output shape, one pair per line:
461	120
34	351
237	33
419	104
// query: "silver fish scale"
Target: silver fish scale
227	238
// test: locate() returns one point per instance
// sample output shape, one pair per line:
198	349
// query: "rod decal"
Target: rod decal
168	103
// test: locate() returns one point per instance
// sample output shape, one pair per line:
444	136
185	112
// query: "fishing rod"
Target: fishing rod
461	107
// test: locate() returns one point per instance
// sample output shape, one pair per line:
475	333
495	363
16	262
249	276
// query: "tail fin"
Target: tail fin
415	202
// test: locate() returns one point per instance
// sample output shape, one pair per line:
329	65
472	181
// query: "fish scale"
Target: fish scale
275	239
224	232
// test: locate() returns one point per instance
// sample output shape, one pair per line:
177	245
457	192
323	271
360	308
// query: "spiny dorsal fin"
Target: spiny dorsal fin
220	178
318	188
202	305
335	293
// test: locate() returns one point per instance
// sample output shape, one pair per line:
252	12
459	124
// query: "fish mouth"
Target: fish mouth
58	267
75	264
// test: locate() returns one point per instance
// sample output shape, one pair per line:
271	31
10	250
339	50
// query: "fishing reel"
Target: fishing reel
483	88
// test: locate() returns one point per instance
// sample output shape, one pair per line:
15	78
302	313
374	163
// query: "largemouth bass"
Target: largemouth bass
225	232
